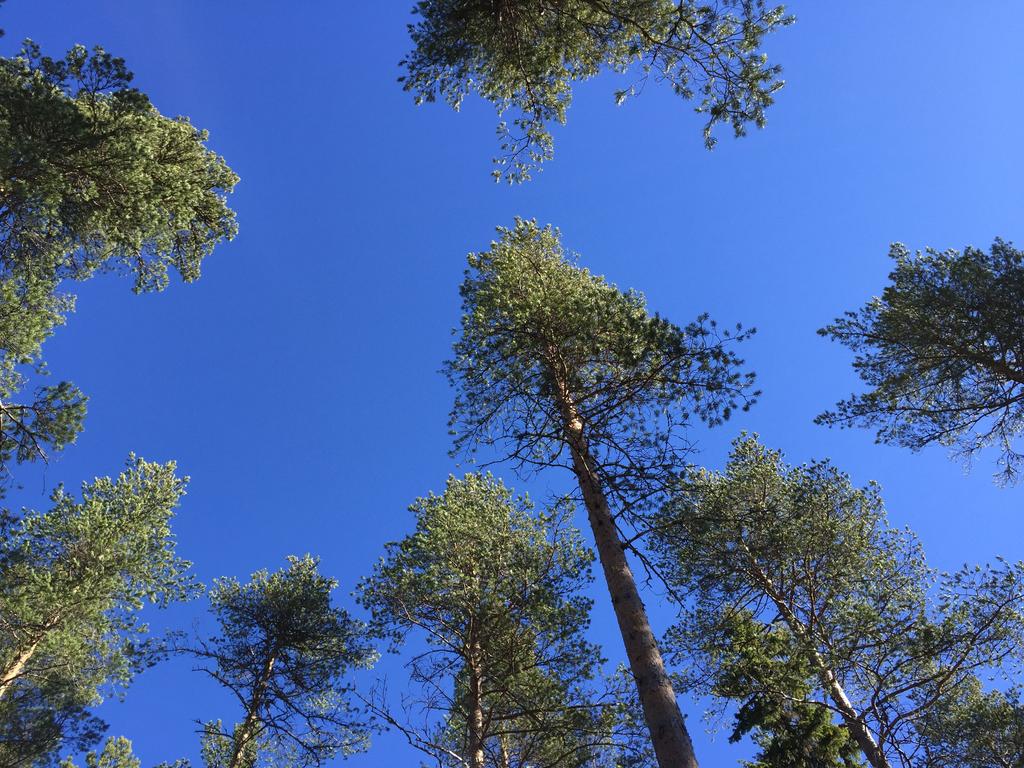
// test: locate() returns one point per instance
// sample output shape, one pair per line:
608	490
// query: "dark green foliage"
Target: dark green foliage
493	587
285	653
92	178
525	55
942	353
794	588
978	729
39	722
790	732
72	581
532	318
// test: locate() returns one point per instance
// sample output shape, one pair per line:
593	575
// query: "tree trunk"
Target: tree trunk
854	722
858	729
506	759
475	715
16	667
669	736
245	732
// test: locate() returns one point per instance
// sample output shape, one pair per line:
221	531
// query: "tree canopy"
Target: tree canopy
941	351
492	586
285	653
525	56
92	177
539	332
796	592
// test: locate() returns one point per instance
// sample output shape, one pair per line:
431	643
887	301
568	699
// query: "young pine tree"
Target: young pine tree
556	367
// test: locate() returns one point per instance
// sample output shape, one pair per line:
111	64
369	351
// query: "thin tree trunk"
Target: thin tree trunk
669	736
854	722
506	759
247	730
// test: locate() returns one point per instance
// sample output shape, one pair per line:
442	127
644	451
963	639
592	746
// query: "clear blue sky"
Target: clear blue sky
296	382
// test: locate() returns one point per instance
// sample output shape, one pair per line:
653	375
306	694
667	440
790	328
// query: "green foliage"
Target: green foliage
493	588
72	581
285	652
116	753
220	747
537	329
794	589
941	353
789	731
36	722
978	729
525	56
92	178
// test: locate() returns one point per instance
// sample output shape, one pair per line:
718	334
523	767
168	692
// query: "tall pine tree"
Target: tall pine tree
556	367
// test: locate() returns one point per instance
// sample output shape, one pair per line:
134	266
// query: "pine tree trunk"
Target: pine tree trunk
860	732
669	736
506	759
16	667
475	719
245	732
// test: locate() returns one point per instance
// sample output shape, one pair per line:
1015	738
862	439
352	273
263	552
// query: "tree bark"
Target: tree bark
669	737
475	719
506	759
16	667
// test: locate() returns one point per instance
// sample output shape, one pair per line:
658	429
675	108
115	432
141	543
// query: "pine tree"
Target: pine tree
92	178
941	351
285	653
492	588
72	581
792	577
556	367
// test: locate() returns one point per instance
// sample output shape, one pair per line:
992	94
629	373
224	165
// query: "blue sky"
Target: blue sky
297	381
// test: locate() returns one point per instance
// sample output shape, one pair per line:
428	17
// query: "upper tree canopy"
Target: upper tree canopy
92	177
525	55
539	332
943	353
285	653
